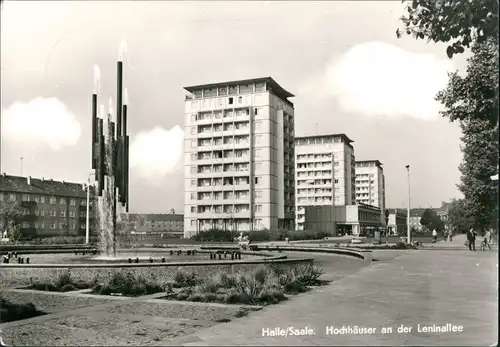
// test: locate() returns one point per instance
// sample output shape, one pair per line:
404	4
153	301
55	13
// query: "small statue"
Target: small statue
242	241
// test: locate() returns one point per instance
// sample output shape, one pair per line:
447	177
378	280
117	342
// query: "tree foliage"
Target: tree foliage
473	101
457	22
476	94
11	215
431	220
458	219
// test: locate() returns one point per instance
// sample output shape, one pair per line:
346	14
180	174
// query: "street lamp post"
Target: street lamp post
408	211
87	215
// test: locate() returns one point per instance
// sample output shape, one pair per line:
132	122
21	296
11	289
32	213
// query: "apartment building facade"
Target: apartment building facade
50	208
154	223
370	183
239	157
324	173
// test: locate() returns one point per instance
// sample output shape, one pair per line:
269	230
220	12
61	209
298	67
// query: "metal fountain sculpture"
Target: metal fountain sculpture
242	241
110	158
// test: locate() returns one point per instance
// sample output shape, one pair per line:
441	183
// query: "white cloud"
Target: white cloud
157	152
40	121
379	79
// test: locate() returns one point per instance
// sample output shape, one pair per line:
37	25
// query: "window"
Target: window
52	225
12	197
257	153
26	211
36	225
193	209
193	144
336	181
193	183
37	198
82	214
42	213
257	166
256	111
37	212
257	194
63	213
257	180
193	223
83	203
1	196
72	202
25	225
193	196
230	101
52	200
193	130
52	213
42	224
258	208
26	197
62	225
258	139
193	169
72	214
42	199
240	99
62	201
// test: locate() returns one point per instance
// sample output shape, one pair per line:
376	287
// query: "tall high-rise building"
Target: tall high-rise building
370	183
239	157
324	172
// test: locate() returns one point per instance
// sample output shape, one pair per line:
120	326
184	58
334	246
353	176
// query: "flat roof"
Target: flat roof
370	161
342	136
276	88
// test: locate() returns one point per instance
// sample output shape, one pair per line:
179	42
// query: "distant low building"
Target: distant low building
357	219
51	208
154	223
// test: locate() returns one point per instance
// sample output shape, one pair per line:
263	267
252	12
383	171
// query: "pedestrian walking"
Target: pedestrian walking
471	238
434	236
487	240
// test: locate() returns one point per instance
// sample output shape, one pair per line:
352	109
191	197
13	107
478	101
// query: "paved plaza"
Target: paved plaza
399	288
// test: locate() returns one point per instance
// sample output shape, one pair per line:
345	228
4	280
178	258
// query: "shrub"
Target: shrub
182	296
63	280
209	286
196	297
12	312
210	297
128	285
183	279
307	274
68	288
226	281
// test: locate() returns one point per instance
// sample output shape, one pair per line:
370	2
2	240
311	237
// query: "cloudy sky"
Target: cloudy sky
342	60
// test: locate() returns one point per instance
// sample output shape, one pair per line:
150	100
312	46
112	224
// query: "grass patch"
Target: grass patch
10	312
64	283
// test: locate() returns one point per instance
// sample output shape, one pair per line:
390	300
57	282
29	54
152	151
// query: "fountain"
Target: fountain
110	153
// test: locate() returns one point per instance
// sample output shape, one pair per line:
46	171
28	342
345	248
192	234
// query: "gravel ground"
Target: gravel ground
51	303
134	323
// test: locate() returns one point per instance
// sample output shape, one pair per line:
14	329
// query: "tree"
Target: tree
11	215
430	220
473	101
458	220
172	211
458	22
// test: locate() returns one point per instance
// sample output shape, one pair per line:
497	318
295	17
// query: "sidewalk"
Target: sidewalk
417	287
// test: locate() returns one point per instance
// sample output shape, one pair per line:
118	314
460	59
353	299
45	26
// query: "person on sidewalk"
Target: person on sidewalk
471	238
434	236
487	239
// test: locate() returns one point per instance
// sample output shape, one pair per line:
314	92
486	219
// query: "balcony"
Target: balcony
28	204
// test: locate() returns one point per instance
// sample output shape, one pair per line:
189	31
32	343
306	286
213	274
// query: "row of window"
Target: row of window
41	199
53	225
53	213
